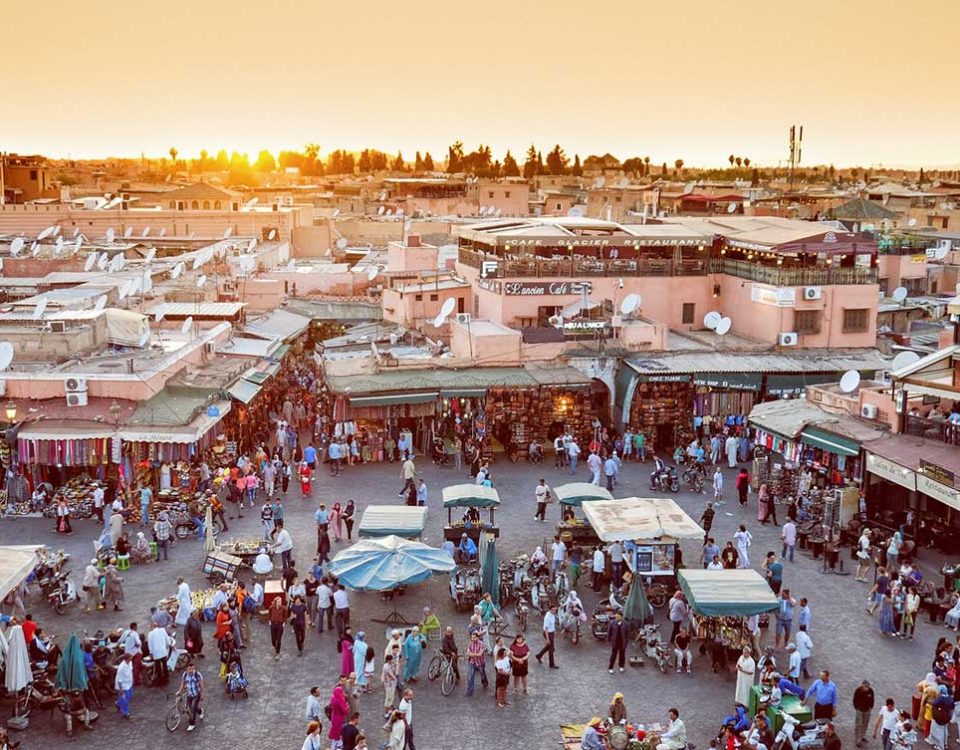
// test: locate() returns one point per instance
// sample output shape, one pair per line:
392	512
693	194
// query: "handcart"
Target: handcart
220	567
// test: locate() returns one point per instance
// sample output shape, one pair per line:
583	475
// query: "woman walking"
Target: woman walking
278	615
348	511
298	619
113	587
746	668
360	649
193	635
519	658
743	539
335	520
345	647
412	651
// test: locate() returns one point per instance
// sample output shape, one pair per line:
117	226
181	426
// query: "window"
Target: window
806	322
506	194
559	206
419	298
490	194
206	205
173	204
689	310
434	297
216	205
856	321
195	205
33	175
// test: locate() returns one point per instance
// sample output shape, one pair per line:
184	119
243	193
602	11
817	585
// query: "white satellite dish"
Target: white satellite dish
110	235
380	211
6	354
629	303
723	326
187	324
88	264
899	294
76	231
177	270
135	284
912	222
147	284
163	232
272	235
16	246
251	203
439	321
575	211
711	320
158	315
38	310
128	232
903	359
448	306
124	289
197	261
1	264
227	232
151	254
731	207
78	244
251	244
201	280
35	249
146	231
102	261
372	272
46	233
483	210
291	266
100	303
341	243
941	252
849	381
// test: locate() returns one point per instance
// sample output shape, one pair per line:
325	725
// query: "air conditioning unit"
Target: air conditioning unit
788	338
77	399
812	292
868	411
75	385
463	318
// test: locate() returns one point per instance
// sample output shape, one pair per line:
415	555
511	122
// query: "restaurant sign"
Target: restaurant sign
545	288
775	296
946	495
891	471
936	473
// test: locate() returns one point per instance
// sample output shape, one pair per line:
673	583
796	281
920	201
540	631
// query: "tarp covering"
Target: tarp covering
126	328
71	673
16	562
399	520
640	518
18	673
388	563
636	609
190	433
244	391
489	567
830	442
575	493
719	593
470	495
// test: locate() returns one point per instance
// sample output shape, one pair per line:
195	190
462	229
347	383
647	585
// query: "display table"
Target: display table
454	533
271	590
789	704
582	533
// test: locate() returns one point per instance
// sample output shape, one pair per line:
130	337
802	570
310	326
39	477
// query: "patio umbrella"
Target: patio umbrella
18	674
71	673
387	563
209	541
489	568
576	493
3	649
636	609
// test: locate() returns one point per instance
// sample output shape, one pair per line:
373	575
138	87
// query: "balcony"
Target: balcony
792	276
512	268
941	430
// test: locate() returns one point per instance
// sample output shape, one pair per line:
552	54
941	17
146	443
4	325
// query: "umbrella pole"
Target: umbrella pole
394	618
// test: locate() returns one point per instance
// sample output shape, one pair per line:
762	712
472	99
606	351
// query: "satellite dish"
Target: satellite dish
389	212
76	231
712	319
38	310
146	231
6	354
731	207
128	232
151	254
723	326
78	244
575	211
46	233
187	324
849	381
124	289
448	306
291	266
100	303
342	243
380	211
197	261
135	284
1	264
251	203
251	244
16	246
163	232
556	321
903	359
483	210
102	261
91	259
177	270
629	303
147	284
899	294
227	232
110	235
372	273
439	320
272	235
941	252
35	249
912	222
623	183
201	280
158	315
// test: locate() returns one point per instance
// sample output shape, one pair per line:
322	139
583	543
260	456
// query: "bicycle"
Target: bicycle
442	665
177	712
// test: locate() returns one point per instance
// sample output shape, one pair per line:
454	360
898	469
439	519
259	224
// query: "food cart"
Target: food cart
473	497
220	567
404	521
573	495
651	530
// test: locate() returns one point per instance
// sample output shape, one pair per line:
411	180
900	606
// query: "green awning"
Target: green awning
470	495
575	493
393	399
281	352
738	381
463	392
400	520
722	593
829	442
244	390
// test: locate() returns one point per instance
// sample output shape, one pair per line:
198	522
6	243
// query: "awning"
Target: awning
190	433
16	562
721	593
262	376
640	518
278	324
244	390
463	392
393	399
60	429
400	520
830	442
738	381
576	493
470	495
792	385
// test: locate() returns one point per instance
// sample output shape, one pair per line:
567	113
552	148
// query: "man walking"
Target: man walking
594	464
161	532
706	521
542	493
123	684
617	635
408	472
824	693
788	535
341	606
678	614
191	684
573	453
599	562
718	486
324	605
785	617
406	708
616	562
742	484
549	633
610	472
158	644
887	719
805	650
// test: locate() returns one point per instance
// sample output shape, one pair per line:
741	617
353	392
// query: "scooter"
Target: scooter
522	611
652	647
62	594
665	481
571	619
796	736
602	615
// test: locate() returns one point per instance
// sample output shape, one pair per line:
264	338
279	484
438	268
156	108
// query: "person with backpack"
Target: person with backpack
942	715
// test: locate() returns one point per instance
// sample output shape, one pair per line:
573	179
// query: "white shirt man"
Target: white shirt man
406	707
594	464
98	497
158	643
549	622
340	599
124	679
559	555
541	492
793	672
117	505
324	596
284	543
804	645
130	641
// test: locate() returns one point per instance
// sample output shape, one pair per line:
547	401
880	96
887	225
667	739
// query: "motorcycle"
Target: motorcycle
652	647
796	736
45	575
62	593
602	615
665	481
561	584
693	478
543	594
522	611
571	619
465	588
184	529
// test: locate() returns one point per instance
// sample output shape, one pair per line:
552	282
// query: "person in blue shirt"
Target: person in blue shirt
467	549
421	493
333	453
310	456
739	719
824	693
276	509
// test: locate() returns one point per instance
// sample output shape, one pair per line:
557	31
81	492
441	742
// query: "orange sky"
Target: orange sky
873	81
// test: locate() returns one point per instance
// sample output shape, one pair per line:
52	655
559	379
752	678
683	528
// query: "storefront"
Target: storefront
660	409
723	399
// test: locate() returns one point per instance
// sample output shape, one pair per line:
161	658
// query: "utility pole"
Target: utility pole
796	151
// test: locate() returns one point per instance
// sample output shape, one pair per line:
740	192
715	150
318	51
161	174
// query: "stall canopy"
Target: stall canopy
720	593
640	518
472	496
576	493
388	563
16	562
399	520
829	441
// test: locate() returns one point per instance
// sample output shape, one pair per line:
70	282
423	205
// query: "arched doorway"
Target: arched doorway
600	401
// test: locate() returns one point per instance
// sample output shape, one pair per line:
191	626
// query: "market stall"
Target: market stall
473	497
16	563
397	520
573	495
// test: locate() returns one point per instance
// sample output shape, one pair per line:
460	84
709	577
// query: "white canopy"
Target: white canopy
16	562
645	518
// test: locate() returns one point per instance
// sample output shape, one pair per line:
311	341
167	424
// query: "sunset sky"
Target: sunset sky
873	81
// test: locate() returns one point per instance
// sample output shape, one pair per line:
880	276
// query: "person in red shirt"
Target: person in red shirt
29	628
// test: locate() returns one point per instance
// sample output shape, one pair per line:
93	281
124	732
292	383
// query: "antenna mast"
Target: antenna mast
796	151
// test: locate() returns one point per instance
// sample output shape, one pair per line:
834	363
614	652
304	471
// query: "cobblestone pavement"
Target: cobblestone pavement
847	641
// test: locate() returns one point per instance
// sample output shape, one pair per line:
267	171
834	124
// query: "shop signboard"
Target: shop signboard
891	471
738	381
774	296
671	378
946	495
545	288
937	473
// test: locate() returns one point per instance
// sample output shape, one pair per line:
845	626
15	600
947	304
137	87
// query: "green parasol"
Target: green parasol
489	568
71	673
636	609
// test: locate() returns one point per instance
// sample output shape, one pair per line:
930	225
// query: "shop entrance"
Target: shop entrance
600	400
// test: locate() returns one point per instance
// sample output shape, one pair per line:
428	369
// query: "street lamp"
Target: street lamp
115	410
11	410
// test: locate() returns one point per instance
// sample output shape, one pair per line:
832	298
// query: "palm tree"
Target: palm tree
739	161
173	155
646	162
731	159
746	162
678	165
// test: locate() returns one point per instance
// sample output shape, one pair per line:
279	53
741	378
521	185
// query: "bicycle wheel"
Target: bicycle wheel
182	660
174	716
25	702
657	597
446	687
148	675
433	670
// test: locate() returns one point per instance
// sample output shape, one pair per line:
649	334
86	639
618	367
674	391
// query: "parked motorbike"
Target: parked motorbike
62	593
665	481
693	478
572	617
602	615
561	584
796	736
45	575
653	647
543	594
187	528
522	611
150	671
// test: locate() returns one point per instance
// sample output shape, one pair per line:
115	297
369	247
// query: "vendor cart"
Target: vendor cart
573	495
220	567
246	548
473	497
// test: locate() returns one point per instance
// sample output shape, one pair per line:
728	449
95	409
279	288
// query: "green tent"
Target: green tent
489	567
576	493
719	593
71	673
470	495
636	609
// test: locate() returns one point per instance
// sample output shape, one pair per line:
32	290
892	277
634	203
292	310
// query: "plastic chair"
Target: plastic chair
123	562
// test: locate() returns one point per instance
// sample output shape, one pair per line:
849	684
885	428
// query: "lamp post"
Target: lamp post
115	410
11	409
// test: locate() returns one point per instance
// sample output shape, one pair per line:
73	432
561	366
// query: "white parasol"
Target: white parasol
18	673
209	542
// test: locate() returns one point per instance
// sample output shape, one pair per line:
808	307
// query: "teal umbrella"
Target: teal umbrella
636	609
71	673
489	568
